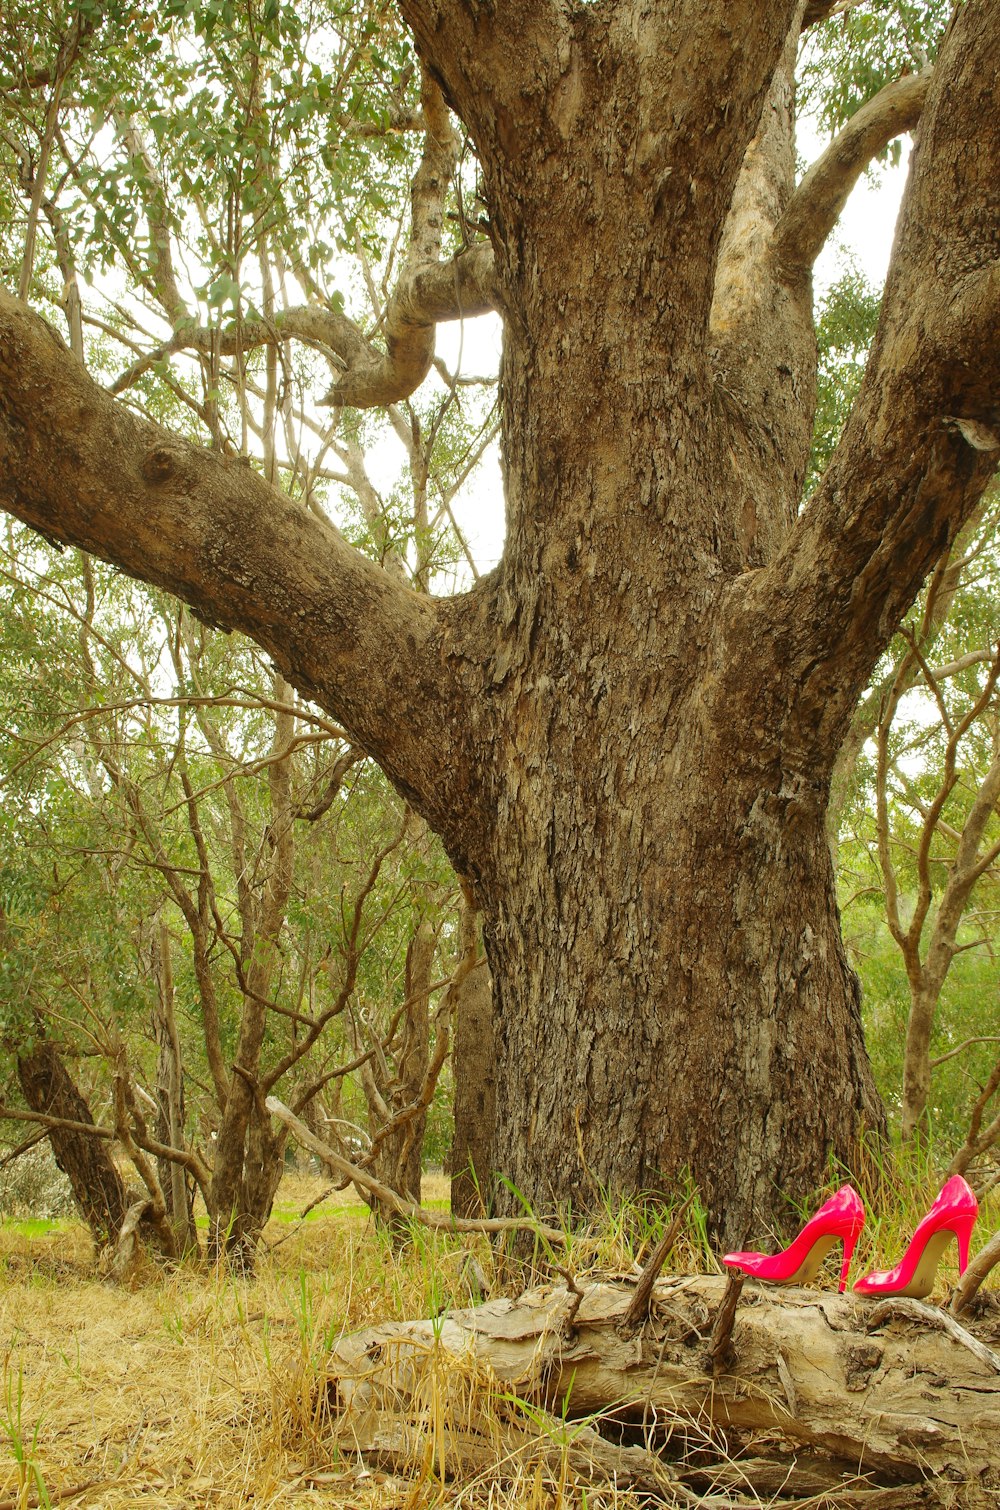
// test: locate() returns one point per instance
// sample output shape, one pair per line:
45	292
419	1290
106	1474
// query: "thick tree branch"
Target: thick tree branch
923	439
817	11
462	47
529	84
81	469
816	204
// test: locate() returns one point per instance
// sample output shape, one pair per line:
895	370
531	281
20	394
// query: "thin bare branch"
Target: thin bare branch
441	1221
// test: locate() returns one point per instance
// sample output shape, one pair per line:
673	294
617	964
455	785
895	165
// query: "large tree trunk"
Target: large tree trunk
672	995
701	1015
98	1188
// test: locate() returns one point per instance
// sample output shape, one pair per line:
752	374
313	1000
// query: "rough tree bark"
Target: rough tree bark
624	735
98	1188
472	1161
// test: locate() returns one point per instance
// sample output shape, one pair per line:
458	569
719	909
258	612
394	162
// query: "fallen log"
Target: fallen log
819	1398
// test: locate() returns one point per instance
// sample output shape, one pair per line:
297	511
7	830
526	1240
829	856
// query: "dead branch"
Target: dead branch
16	1114
927	1315
637	1312
985	1260
720	1350
441	1221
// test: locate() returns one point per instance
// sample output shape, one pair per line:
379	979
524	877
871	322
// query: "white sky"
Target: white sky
867	225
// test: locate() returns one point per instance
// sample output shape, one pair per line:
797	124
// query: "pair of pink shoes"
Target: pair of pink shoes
841	1220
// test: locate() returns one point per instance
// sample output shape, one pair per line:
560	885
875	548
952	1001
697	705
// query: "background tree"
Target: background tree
920	846
202	889
625	735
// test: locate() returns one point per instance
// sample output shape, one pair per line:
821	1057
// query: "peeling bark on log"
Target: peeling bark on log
828	1399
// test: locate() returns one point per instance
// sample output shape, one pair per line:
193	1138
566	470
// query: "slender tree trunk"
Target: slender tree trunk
248	1156
98	1188
264	1164
398	1091
170	1096
475	1095
917	1060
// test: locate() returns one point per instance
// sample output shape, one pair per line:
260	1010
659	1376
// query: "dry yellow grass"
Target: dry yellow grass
186	1389
190	1389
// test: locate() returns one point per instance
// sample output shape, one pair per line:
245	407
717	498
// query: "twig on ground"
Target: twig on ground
443	1221
52	1496
572	1288
638	1308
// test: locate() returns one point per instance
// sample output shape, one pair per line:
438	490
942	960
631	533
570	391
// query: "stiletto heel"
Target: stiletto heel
954	1211
850	1243
839	1220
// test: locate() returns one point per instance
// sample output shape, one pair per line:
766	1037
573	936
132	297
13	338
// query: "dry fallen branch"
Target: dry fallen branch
52	1496
442	1221
985	1260
917	1310
828	1402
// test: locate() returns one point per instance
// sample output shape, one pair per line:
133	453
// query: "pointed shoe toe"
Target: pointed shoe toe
953	1214
840	1219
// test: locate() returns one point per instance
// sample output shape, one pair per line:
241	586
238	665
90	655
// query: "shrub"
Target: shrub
33	1185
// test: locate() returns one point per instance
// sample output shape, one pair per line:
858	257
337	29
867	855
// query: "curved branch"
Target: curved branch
815	206
442	1220
81	469
385	379
311	323
425	295
458	289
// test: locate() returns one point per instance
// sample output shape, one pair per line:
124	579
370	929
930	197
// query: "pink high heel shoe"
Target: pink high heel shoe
954	1212
839	1220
